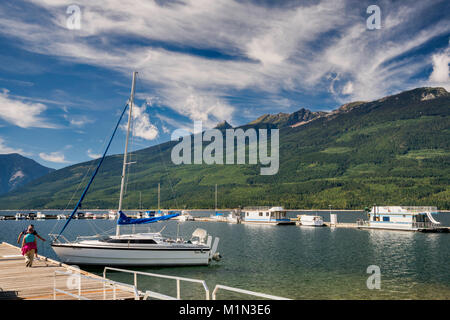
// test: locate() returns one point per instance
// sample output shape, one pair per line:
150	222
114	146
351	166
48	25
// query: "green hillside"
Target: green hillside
393	150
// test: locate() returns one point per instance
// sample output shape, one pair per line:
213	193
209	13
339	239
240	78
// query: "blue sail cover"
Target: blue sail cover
123	219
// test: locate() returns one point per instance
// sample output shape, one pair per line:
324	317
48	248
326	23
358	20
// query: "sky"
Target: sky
65	73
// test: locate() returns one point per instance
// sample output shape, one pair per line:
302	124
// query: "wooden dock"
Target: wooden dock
37	283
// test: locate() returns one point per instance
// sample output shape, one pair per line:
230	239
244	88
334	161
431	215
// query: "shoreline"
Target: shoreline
220	209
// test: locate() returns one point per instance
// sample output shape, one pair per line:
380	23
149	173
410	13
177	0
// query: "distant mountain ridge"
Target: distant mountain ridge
17	170
394	151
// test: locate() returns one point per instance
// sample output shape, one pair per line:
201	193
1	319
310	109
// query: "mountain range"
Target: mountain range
16	171
392	151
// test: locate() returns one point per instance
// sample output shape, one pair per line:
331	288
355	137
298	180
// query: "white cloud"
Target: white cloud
4	149
278	48
440	74
78	121
93	155
56	156
22	114
348	88
142	127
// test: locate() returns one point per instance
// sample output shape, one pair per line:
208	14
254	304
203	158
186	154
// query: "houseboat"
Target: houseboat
266	215
402	218
309	220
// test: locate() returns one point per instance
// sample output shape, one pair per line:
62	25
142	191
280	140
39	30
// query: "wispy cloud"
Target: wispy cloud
266	50
4	149
22	113
78	121
57	157
93	155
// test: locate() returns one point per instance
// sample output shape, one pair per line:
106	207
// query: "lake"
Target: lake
288	261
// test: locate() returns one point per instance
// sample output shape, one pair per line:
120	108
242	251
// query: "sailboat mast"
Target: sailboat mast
124	166
159	197
216	197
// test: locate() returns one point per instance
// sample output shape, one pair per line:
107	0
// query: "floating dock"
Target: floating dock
39	282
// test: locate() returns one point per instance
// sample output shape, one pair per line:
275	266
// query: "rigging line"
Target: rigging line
94	174
91	166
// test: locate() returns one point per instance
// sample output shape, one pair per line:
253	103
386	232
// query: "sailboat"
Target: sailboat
217	216
135	249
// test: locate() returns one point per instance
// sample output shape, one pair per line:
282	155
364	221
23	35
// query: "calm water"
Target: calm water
290	261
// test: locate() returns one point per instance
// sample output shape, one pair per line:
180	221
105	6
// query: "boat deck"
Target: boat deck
37	283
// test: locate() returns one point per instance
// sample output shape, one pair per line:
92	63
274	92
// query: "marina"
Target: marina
288	261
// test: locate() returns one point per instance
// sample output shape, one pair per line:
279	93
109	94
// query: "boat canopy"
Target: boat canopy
124	219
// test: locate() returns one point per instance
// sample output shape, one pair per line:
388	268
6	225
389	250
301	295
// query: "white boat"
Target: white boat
402	218
140	249
135	249
40	215
309	220
61	216
20	216
266	215
234	217
112	215
184	216
218	216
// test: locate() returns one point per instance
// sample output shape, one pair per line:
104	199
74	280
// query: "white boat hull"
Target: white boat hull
272	222
130	257
311	224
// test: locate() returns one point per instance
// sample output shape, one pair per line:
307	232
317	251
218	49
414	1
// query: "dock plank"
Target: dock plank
20	282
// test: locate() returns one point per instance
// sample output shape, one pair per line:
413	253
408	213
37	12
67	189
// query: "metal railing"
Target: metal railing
115	285
156	295
248	292
427	224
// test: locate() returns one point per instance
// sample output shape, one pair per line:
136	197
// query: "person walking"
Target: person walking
33	231
29	247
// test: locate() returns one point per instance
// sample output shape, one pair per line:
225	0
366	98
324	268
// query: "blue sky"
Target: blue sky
61	89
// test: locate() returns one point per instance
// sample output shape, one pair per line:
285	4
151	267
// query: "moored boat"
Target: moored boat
40	216
19	216
309	220
134	249
184	216
406	218
266	215
234	216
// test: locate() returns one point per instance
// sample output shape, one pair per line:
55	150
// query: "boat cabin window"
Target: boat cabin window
386	219
267	214
260	214
142	241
